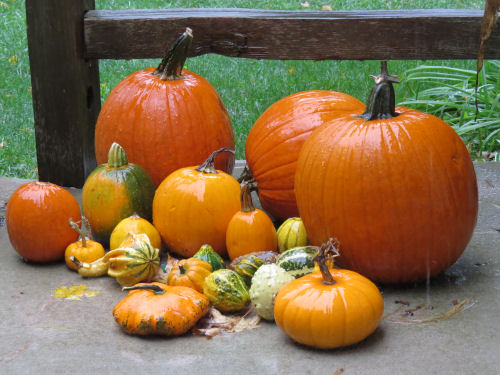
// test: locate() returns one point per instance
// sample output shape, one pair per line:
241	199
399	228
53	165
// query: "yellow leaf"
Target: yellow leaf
13	60
74	293
291	70
4	5
326	7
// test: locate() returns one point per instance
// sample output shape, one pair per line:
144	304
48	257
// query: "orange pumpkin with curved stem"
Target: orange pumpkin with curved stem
193	206
274	142
250	229
190	272
396	186
37	221
165	118
85	250
331	308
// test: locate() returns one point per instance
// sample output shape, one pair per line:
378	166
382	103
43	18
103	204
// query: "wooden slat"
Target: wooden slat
270	34
65	89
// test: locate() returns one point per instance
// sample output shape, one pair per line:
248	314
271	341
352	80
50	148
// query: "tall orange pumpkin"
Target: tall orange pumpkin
37	219
396	186
274	142
165	118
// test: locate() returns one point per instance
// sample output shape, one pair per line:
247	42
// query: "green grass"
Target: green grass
247	87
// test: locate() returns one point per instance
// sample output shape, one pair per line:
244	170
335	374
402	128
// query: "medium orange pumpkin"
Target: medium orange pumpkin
274	142
250	229
37	219
328	309
193	206
165	118
396	186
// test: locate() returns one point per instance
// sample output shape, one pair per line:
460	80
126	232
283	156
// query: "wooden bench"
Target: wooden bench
66	39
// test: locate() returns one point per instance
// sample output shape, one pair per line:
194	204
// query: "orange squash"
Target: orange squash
134	224
328	309
249	230
37	221
274	142
165	118
193	206
190	272
160	309
396	186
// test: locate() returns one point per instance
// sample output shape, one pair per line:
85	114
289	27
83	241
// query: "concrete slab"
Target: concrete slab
46	335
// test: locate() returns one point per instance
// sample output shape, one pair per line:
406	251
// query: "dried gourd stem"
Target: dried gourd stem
327	251
154	288
82	232
381	102
247	176
208	165
246	198
171	66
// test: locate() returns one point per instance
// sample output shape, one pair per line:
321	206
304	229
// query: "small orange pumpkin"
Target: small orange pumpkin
190	272
250	230
193	206
37	221
160	309
328	309
85	250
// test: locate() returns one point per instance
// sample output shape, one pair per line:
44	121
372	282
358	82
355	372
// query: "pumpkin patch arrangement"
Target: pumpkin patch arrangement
394	186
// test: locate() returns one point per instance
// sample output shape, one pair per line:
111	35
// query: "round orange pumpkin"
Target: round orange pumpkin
274	142
193	206
250	229
84	250
190	272
328	309
37	219
396	186
165	118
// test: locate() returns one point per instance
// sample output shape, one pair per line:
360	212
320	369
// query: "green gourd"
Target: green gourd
226	290
209	255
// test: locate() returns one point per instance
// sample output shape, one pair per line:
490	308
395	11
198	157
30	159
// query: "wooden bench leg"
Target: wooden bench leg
66	96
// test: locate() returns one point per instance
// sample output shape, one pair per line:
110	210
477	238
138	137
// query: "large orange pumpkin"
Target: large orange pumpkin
165	118
274	142
396	186
37	220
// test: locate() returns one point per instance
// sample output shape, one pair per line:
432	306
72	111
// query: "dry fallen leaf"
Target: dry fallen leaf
74	293
326	7
215	323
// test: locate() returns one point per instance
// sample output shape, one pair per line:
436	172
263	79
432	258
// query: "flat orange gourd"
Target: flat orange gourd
274	142
165	118
193	206
396	186
250	229
37	221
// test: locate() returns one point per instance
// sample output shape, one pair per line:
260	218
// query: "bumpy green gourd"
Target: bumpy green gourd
209	255
247	265
226	290
266	283
298	261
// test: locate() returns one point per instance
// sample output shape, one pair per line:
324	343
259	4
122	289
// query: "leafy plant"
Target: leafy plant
449	93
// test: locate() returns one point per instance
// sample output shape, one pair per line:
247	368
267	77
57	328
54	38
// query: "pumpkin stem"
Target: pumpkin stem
208	165
182	269
246	198
381	102
155	288
80	230
247	176
171	66
117	156
328	251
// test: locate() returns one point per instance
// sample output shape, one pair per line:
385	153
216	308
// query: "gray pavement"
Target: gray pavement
42	334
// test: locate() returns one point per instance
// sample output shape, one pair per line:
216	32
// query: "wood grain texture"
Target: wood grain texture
65	89
290	35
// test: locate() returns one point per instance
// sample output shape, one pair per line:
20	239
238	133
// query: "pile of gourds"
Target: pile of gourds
394	187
